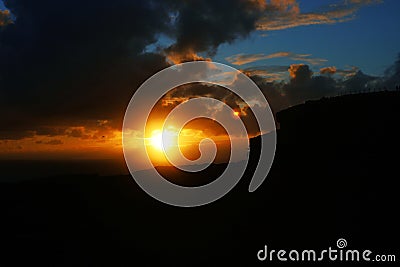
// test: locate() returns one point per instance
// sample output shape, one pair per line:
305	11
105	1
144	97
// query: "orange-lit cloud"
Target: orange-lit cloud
186	92
347	73
61	147
292	17
328	70
202	26
288	6
268	73
94	140
5	18
177	57
306	58
242	59
294	69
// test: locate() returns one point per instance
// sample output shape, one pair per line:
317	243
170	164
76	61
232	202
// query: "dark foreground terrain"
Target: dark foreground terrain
335	176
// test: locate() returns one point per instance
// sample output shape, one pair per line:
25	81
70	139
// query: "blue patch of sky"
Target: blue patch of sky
2	7
163	41
370	41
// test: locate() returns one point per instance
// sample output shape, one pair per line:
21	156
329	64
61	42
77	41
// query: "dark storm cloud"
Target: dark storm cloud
201	26
329	81
193	90
303	85
206	90
68	61
274	93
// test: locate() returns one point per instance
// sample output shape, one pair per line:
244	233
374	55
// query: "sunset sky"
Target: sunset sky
69	68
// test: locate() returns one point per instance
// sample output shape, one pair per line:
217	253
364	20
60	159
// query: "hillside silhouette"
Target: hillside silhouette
335	175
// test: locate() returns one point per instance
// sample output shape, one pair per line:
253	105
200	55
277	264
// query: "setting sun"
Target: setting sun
157	142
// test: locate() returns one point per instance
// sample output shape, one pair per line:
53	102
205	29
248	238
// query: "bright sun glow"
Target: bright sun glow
236	113
156	139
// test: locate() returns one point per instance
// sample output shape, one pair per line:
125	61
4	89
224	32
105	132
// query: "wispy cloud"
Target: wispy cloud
268	73
307	58
241	59
292	17
347	73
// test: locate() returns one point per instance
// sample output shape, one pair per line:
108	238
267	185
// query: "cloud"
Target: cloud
76	62
185	92
79	62
289	15
358	81
306	58
242	59
70	72
193	90
5	18
187	55
303	85
201	26
54	142
268	73
15	134
329	81
328	70
347	73
300	72
392	74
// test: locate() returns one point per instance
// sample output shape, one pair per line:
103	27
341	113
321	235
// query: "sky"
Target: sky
369	40
69	68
